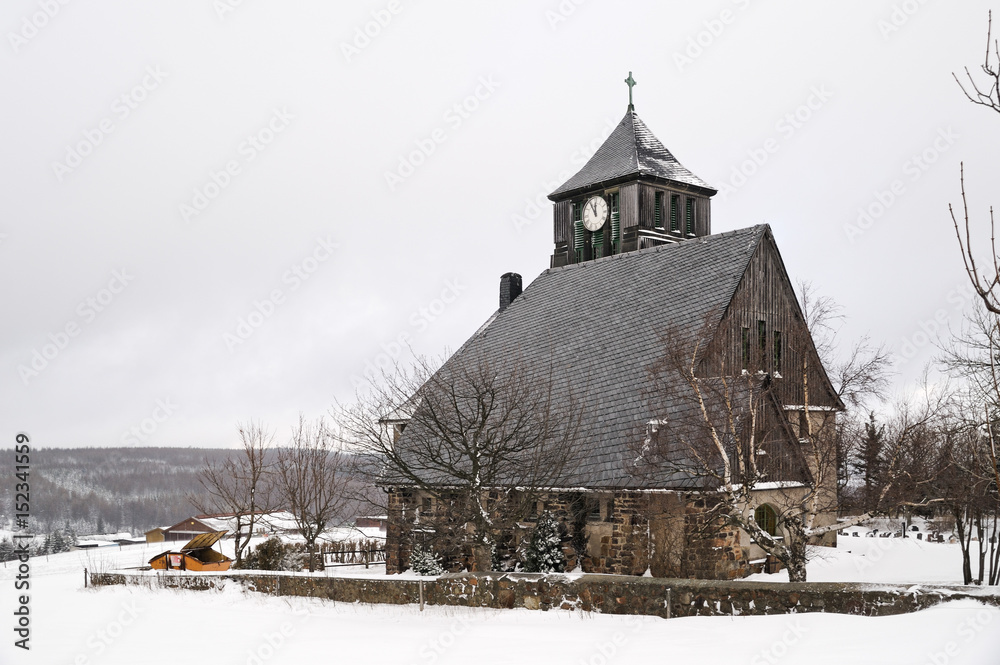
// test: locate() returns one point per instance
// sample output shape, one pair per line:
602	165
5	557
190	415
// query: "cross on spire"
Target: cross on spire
631	82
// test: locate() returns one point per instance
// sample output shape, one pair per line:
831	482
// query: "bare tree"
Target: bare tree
985	94
240	484
482	443
861	376
313	477
985	281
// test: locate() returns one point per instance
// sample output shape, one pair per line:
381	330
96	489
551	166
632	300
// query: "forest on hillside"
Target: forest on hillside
110	490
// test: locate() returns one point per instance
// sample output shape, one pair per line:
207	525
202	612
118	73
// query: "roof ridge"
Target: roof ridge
658	248
635	138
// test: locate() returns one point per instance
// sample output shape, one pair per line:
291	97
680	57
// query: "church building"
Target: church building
635	267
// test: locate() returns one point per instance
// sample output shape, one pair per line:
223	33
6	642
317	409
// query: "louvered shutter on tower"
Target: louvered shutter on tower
579	238
616	226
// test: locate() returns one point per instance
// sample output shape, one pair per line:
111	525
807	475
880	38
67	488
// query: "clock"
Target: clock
595	213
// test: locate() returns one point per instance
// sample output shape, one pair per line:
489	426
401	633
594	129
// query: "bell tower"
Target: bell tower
632	194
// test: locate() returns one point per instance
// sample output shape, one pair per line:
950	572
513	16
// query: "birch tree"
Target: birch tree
728	433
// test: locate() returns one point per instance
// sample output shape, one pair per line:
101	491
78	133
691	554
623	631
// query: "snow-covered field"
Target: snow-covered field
894	560
127	625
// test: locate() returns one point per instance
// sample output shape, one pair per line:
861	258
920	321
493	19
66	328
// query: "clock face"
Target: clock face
595	213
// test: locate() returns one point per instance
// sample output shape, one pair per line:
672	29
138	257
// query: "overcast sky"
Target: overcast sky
214	211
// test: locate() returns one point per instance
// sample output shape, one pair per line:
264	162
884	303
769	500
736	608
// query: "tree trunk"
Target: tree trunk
960	532
482	558
797	560
982	547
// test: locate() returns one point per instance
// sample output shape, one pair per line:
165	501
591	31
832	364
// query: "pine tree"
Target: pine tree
544	553
6	549
58	543
869	460
425	562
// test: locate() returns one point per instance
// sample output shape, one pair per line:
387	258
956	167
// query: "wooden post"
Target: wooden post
668	602
84	578
421	594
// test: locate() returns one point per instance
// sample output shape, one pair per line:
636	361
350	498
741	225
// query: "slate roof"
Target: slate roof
597	326
630	151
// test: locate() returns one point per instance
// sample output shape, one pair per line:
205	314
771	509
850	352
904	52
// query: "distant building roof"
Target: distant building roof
275	521
107	537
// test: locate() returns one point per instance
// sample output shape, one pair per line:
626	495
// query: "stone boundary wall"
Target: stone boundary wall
608	594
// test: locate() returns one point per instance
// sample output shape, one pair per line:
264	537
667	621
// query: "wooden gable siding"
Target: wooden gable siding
766	294
782	458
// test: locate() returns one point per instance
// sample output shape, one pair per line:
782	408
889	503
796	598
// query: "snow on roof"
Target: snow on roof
105	537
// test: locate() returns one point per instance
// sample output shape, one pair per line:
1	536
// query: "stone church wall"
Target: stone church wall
665	533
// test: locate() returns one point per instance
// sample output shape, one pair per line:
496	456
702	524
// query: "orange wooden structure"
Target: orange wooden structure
197	555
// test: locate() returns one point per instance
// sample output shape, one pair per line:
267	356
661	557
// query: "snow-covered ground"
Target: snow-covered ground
895	560
128	625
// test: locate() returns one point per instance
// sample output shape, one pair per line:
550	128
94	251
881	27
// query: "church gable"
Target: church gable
763	330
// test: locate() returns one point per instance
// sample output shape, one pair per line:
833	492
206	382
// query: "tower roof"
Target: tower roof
631	151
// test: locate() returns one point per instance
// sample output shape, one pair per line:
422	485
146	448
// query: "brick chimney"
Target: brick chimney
510	288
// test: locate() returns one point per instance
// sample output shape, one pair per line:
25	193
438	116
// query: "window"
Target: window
689	216
616	226
767	519
745	348
762	342
658	210
593	507
425	506
674	203
777	351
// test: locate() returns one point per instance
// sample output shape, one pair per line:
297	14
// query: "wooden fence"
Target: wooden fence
353	553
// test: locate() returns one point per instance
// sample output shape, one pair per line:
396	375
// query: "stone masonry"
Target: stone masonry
667	534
